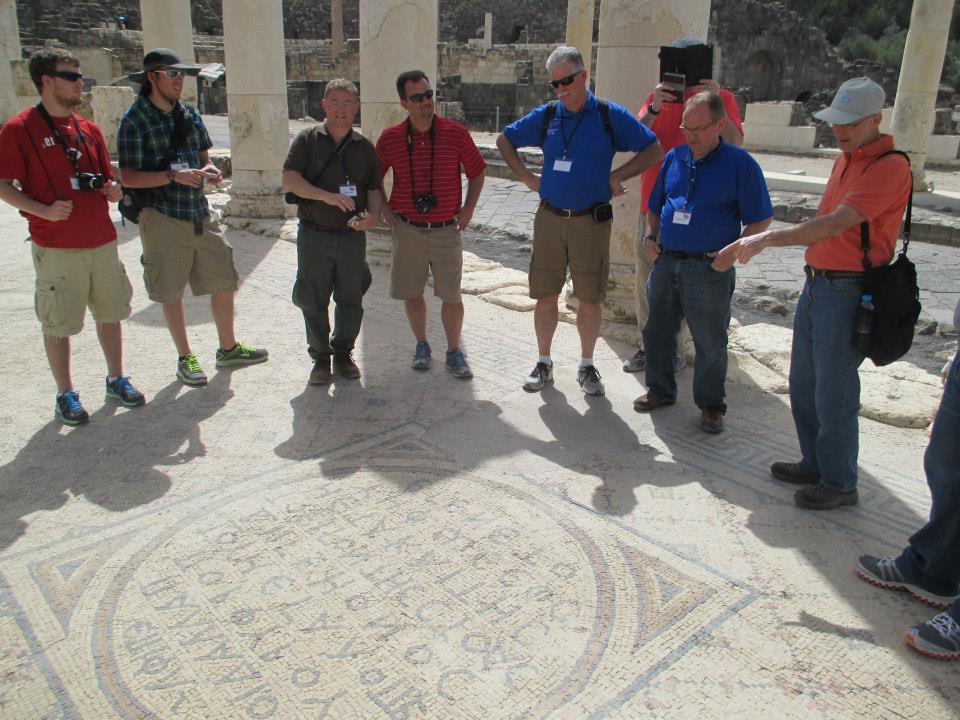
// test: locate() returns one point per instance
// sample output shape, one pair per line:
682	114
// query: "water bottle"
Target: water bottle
864	323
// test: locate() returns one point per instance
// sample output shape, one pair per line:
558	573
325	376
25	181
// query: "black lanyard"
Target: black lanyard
71	153
566	140
433	145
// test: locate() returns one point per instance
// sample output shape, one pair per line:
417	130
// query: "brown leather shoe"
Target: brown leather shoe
650	401
320	375
795	473
711	420
346	367
822	497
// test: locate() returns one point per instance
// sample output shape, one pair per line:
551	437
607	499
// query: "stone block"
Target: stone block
775	114
943	147
109	104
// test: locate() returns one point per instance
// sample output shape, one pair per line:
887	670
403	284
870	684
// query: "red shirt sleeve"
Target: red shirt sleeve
733	112
12	163
882	184
473	162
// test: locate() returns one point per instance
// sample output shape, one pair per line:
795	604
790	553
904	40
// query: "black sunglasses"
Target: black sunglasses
565	80
419	97
68	75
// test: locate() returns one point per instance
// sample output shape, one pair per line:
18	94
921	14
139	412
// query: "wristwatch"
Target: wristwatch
652	111
171	176
650	238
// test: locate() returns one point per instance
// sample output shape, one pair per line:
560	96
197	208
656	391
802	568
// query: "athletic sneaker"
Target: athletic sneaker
541	375
124	393
884	573
189	371
637	363
938	637
589	379
421	356
69	411
457	364
240	354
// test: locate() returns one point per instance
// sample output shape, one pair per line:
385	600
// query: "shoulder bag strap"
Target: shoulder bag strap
865	226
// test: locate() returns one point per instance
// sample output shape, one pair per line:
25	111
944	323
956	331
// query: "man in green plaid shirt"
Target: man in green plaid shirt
162	146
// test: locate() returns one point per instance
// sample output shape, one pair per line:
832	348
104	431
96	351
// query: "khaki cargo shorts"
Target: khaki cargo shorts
580	243
174	255
70	280
419	250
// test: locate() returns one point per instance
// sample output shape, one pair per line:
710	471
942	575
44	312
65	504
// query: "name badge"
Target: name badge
562	165
348	190
681	217
177	167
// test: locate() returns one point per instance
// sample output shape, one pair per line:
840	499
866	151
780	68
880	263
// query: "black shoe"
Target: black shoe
346	367
320	375
711	420
795	473
821	497
68	409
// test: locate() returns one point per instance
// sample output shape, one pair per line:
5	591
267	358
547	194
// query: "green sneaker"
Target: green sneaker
189	371
240	354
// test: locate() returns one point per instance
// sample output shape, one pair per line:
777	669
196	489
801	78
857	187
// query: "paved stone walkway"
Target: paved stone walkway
413	546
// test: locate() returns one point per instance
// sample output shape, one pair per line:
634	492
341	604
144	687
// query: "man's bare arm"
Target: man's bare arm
512	158
12	195
805	233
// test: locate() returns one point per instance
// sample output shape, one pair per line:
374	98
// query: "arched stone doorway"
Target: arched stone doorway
763	73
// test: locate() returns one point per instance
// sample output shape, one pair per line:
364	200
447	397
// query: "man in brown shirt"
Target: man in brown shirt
334	173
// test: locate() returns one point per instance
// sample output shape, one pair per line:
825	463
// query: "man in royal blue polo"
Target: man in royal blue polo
707	194
579	135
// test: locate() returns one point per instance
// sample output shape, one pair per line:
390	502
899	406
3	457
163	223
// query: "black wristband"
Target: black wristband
652	111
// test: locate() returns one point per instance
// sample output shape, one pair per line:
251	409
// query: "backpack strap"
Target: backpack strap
550	111
865	226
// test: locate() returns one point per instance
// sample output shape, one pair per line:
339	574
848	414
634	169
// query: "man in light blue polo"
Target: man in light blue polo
707	194
579	134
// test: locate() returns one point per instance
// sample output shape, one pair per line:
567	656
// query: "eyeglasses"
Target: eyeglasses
420	97
172	74
849	126
565	80
696	129
68	75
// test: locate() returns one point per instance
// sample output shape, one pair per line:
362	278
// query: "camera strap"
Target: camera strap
433	145
71	153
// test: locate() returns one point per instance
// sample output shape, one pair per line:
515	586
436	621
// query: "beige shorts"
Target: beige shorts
419	250
69	280
580	243
174	255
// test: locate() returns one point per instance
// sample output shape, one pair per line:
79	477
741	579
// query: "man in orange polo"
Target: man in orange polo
824	384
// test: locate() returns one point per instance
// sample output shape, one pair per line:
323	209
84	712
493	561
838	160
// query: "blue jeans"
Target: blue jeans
690	289
932	559
824	383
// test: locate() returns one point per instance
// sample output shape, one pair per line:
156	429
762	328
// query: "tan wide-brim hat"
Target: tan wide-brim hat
162	58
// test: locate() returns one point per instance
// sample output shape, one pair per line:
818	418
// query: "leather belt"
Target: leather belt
562	212
680	255
427	225
830	274
317	228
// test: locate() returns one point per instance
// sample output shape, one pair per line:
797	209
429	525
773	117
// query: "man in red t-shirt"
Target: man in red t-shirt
866	185
62	168
662	112
426	153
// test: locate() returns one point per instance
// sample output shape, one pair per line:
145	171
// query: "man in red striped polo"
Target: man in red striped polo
425	211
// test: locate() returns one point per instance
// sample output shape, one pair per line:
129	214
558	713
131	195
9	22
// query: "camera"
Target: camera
424	203
90	181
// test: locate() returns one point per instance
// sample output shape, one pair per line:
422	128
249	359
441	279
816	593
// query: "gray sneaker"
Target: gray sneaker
457	364
638	363
189	371
589	379
938	637
421	357
883	572
541	375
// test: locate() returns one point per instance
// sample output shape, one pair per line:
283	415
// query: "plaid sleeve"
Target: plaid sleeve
129	145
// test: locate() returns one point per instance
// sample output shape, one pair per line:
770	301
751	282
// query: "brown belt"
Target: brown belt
830	274
562	212
428	225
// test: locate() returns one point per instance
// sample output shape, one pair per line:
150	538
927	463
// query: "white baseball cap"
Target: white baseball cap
855	99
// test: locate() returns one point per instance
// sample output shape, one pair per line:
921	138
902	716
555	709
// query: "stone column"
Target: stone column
168	24
336	28
631	33
257	103
395	35
919	77
580	28
109	105
9	51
